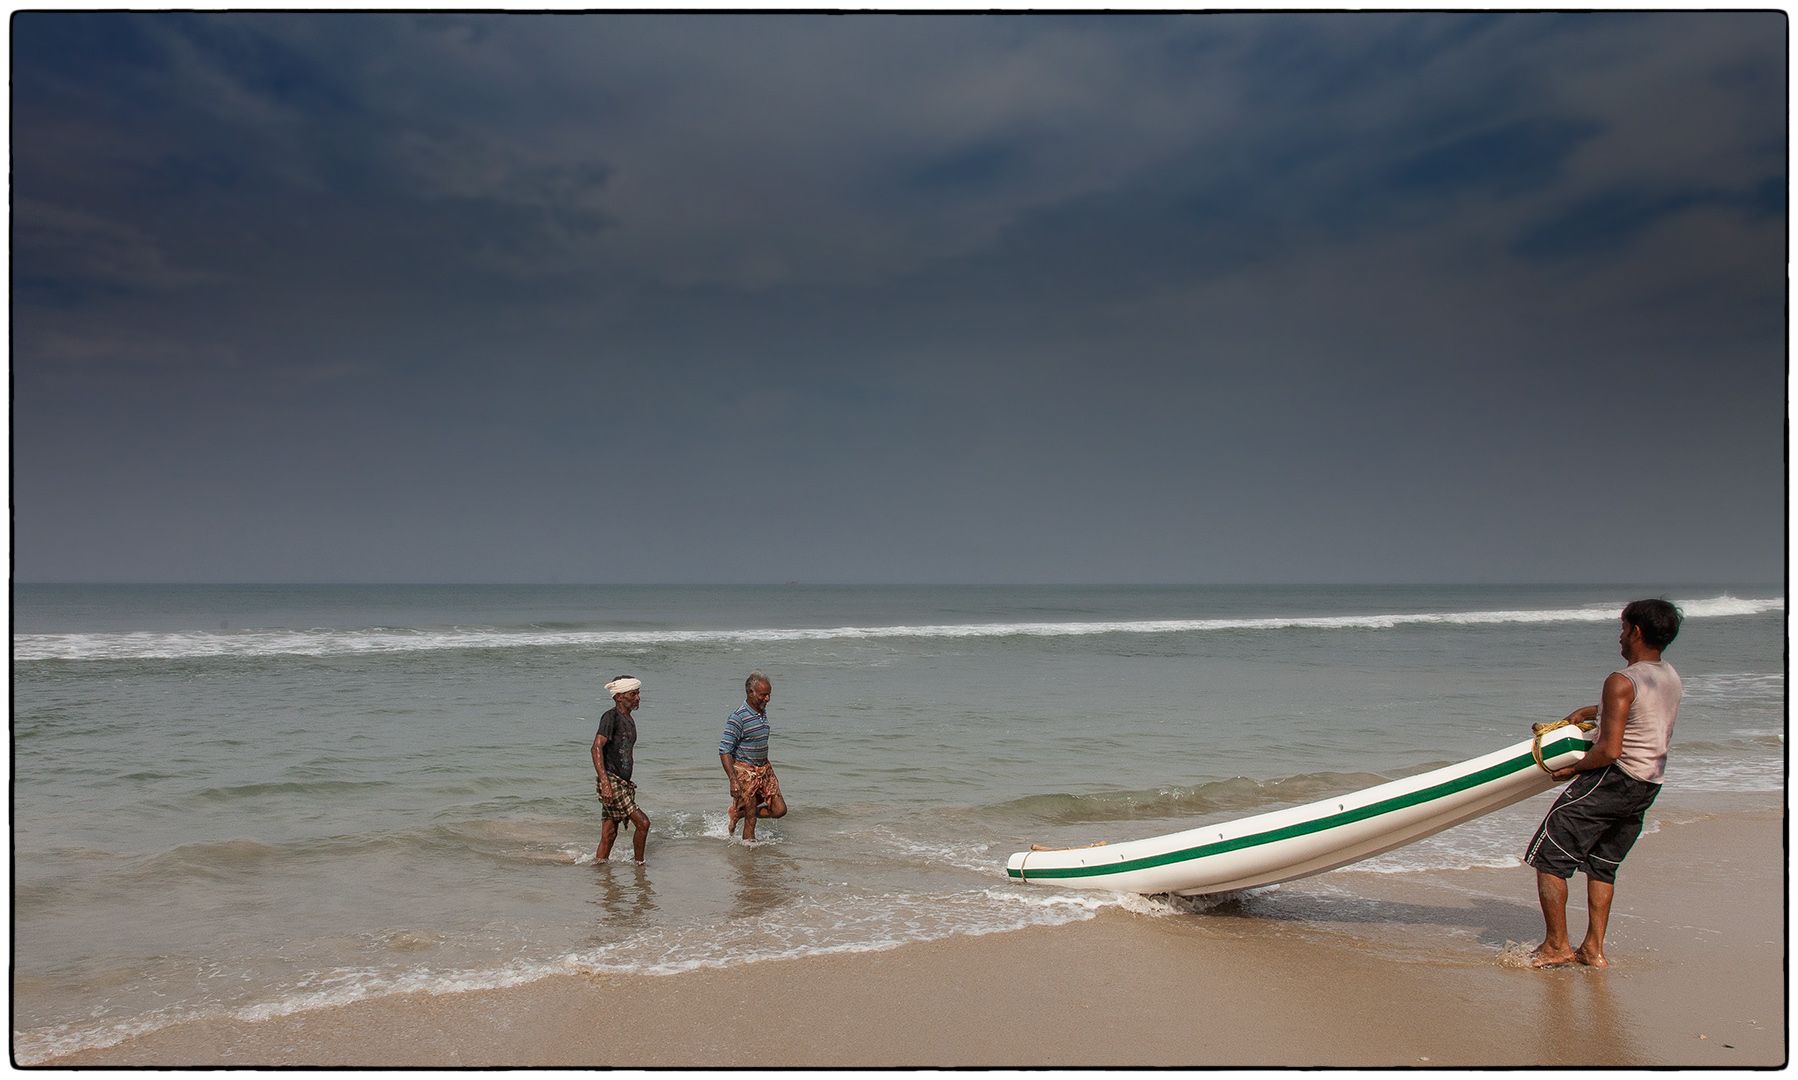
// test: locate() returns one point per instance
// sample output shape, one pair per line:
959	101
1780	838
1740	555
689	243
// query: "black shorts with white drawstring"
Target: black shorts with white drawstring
1593	825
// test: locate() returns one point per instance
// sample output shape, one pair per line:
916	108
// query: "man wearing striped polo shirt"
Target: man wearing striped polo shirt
754	789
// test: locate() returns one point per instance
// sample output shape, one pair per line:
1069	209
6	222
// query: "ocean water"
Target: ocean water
249	801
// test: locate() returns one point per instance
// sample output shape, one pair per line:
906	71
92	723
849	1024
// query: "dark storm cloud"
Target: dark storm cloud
1289	297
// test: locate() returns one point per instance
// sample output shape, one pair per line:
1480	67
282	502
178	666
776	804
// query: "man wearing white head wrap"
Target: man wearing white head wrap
614	745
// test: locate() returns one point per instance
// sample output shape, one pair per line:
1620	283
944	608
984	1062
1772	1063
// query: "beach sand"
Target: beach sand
1407	970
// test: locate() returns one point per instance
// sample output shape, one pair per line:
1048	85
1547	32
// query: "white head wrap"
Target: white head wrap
623	686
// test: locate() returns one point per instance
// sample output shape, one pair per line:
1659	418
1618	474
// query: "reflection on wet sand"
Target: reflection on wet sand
760	875
1576	1003
624	892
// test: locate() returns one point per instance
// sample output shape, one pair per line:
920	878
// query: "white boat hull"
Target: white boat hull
1310	839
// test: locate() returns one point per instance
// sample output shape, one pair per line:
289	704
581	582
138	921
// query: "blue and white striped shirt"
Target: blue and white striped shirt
746	736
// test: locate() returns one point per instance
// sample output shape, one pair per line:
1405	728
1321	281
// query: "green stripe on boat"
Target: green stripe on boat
1303	828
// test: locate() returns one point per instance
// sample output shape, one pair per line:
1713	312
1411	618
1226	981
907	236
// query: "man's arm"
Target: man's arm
599	766
1619	695
727	751
1582	715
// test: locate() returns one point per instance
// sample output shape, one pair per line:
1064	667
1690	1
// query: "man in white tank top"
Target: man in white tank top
1597	818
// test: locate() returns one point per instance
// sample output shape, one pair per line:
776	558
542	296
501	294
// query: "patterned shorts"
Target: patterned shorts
623	802
756	784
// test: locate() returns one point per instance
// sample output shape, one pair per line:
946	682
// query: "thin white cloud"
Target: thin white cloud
53	241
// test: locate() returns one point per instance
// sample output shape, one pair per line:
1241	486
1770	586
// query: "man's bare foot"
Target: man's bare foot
1590	957
1542	956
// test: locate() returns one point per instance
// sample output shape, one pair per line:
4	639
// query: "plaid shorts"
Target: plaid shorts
1592	825
623	802
756	783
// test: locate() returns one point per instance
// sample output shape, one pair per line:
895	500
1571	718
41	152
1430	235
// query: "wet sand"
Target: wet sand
1400	969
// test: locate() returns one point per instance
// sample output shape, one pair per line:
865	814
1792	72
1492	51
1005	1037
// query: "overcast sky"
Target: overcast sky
750	298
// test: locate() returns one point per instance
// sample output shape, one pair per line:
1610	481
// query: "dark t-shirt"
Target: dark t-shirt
621	738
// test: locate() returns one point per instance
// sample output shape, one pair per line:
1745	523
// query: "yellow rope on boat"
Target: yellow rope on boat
1540	730
1025	861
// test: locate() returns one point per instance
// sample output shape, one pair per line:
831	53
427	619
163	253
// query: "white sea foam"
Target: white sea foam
339	988
33	1047
826	925
1167	904
1727	774
255	643
975	857
1729	688
716	826
1495	842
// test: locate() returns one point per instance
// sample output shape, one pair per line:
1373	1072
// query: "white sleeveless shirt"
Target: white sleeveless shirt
1649	727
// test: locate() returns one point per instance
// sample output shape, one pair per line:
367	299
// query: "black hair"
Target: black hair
1657	619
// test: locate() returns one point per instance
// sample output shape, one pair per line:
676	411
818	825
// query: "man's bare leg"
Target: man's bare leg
730	818
1555	948
775	807
640	838
608	832
1598	918
749	812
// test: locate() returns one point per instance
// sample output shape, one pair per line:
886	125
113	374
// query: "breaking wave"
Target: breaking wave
386	640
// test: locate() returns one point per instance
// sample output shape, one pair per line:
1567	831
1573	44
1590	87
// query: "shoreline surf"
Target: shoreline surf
1452	934
184	829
